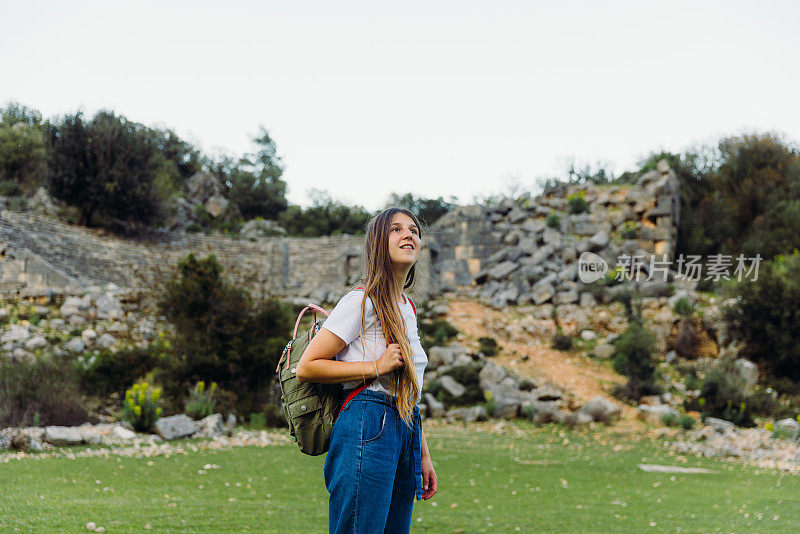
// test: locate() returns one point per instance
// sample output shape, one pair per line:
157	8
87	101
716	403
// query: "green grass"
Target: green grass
546	479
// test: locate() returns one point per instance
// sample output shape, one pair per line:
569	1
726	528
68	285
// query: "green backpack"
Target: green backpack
311	409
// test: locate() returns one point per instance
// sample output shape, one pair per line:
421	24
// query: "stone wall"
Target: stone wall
39	254
515	257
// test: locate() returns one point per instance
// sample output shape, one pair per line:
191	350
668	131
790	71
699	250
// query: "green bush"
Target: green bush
723	395
10	188
553	220
43	390
140	407
488	346
629	230
274	416
686	421
634	358
783	432
221	334
23	149
258	420
467	375
670	419
530	411
577	202
683	307
437	332
562	342
765	316
201	401
687	343
109	372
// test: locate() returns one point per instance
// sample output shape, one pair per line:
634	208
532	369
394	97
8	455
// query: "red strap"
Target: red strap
355	392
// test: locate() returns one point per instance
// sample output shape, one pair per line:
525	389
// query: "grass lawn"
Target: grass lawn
521	478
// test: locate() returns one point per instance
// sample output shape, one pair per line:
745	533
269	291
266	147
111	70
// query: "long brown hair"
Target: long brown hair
379	283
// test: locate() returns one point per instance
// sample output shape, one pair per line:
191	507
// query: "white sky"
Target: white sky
436	98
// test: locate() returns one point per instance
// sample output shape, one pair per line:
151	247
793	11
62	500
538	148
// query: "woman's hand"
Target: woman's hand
391	359
430	482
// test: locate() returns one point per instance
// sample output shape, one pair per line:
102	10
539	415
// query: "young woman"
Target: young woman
378	459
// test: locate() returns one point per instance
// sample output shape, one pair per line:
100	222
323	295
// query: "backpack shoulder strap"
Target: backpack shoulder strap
412	304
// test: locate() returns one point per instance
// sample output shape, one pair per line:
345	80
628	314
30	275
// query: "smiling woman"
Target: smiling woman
378	459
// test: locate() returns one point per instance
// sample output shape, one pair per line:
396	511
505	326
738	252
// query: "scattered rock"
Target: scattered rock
211	426
176	426
601	409
451	386
75	345
36	342
435	408
604	351
60	436
654	414
15	334
107	341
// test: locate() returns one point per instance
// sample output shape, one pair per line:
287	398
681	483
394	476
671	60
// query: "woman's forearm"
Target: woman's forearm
323	371
425	452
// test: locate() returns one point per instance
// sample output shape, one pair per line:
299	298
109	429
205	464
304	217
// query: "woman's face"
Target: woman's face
404	240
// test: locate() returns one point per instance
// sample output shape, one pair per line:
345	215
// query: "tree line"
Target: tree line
116	173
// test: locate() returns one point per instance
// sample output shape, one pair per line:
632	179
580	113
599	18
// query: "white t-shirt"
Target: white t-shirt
345	323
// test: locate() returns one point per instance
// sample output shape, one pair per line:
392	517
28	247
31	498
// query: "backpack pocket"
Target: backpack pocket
311	429
301	411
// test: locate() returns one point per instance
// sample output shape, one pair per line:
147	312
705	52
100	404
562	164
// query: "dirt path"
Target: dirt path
531	357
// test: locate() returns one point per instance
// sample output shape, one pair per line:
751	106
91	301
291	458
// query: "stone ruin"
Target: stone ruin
512	256
502	254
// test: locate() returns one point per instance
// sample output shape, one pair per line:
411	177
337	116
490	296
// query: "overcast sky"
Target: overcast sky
436	98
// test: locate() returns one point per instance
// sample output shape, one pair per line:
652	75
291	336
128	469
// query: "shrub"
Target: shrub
274	416
686	422
669	419
201	401
629	230
562	342
44	391
687	343
634	359
140	407
488	346
783	432
553	220
436	332
683	307
577	202
723	395
765	319
108	372
221	334
530	411
466	375
491	407
258	420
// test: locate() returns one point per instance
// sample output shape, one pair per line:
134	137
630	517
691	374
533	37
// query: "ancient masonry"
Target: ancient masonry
516	257
40	255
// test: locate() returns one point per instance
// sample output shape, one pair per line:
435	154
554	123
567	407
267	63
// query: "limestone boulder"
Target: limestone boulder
176	426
